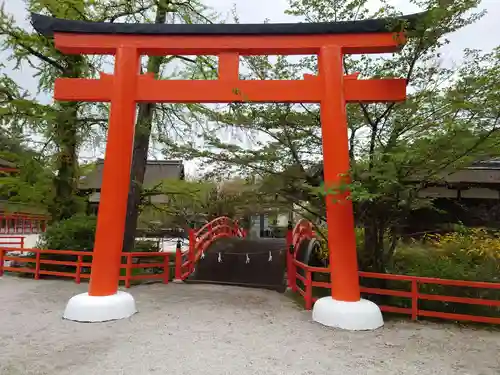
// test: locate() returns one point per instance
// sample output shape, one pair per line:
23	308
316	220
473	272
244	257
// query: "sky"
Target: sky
481	35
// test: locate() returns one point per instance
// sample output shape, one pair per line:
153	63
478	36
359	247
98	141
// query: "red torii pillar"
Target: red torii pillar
126	87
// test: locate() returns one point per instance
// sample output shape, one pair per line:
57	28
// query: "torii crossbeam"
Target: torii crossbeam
127	87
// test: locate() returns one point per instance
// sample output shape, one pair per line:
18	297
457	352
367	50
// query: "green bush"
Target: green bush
75	233
449	261
470	254
78	233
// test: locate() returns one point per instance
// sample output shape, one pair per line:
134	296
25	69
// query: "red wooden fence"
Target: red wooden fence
414	295
12	241
81	267
297	271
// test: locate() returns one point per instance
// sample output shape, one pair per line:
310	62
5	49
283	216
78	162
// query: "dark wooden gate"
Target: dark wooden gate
258	263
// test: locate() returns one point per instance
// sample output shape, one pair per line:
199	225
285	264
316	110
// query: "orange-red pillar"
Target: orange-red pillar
116	175
340	218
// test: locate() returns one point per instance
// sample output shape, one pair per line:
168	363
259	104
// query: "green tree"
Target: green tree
165	11
449	120
30	186
66	127
201	201
62	125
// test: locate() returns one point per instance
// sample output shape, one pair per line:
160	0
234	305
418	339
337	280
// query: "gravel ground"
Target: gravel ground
207	329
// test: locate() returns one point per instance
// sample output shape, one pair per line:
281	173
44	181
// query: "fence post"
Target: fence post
289	234
166	268
128	271
1	261
292	269
178	262
192	247
308	289
37	265
79	260
22	245
414	299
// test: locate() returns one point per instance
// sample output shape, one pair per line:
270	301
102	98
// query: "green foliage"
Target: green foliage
30	185
202	201
468	254
462	258
75	233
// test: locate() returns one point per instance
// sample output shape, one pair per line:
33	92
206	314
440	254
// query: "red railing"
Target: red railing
414	295
22	223
82	264
200	240
11	241
184	262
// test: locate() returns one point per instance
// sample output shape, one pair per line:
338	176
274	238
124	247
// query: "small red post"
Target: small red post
293	269
78	269
192	247
37	265
210	231
414	299
289	254
166	267
22	242
308	289
178	262
128	271
1	262
235	228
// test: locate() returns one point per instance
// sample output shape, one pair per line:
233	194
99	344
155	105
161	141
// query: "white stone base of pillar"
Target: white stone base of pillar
362	315
177	281
93	309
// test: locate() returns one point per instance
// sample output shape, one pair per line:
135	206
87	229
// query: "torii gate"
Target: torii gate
126	87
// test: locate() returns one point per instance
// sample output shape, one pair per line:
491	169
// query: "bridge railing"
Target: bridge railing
200	240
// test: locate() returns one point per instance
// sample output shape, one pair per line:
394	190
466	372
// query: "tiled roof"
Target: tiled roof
156	171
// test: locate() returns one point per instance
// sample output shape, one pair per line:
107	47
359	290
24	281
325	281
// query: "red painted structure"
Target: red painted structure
180	265
126	87
22	223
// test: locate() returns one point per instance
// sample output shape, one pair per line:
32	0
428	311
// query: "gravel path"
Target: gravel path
207	329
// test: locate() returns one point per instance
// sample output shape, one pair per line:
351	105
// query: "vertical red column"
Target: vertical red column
116	175
340	219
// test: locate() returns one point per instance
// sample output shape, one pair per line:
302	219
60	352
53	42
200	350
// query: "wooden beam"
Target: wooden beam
228	91
160	45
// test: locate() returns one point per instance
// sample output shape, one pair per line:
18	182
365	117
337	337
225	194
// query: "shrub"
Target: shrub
322	252
460	259
471	254
75	233
78	233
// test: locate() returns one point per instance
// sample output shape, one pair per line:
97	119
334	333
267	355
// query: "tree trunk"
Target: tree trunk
141	148
65	201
